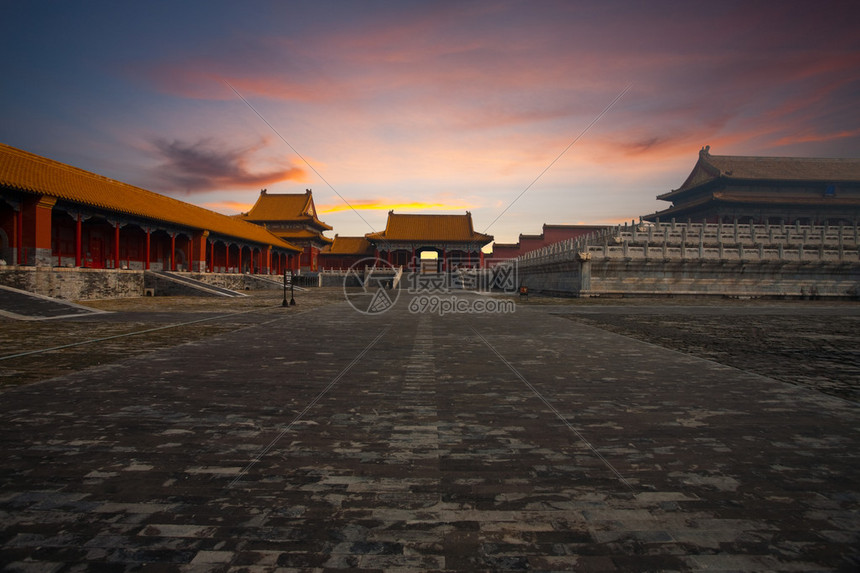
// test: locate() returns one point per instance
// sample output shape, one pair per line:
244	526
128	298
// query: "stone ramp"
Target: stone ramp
277	280
184	283
23	305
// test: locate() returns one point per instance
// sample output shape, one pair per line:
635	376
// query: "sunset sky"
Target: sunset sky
436	107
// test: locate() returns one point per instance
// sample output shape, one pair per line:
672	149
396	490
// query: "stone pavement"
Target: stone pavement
23	305
415	442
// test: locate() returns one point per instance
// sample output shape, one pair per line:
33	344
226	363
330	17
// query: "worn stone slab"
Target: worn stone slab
451	443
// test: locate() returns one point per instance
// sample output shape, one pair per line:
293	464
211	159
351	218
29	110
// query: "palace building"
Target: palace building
293	218
56	215
551	234
451	237
725	188
345	252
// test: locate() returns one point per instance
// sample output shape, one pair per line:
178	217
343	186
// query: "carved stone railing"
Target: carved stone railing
704	242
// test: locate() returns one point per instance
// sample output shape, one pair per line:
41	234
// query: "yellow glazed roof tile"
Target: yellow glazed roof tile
285	207
32	173
443	228
350	246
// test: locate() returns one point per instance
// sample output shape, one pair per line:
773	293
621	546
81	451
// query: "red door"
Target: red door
96	253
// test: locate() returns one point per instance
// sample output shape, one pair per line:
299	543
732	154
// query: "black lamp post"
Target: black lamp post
288	278
292	298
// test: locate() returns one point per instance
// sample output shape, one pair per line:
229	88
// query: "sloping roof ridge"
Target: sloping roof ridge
782	158
722	163
162	201
309	202
262	210
572	225
54	164
467	214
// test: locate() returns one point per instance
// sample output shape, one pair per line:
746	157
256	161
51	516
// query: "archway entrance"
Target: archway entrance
429	261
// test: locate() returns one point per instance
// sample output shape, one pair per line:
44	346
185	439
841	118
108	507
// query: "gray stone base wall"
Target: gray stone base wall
767	279
155	285
564	283
238	282
339	280
697	278
90	284
74	284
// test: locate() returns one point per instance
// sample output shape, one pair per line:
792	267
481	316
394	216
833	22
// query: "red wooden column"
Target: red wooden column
197	252
240	259
116	245
211	257
481	254
78	233
413	262
172	251
19	234
226	257
35	230
148	247
444	259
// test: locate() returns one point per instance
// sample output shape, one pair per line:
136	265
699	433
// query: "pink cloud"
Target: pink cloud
208	80
507	86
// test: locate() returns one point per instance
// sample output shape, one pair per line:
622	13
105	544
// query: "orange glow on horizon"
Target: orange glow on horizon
231	206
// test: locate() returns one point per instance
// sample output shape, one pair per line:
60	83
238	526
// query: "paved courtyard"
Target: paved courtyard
403	441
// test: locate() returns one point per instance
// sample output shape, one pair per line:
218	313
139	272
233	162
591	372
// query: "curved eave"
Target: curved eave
313	221
770	182
723	200
477	238
251	233
820	202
